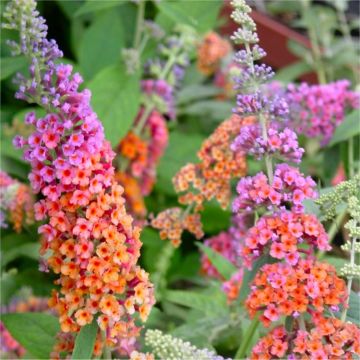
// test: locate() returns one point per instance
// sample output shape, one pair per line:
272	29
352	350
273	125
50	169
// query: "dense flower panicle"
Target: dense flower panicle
317	110
282	289
16	203
211	50
132	193
9	347
223	244
210	178
284	235
329	338
174	221
136	355
88	238
203	181
289	188
281	144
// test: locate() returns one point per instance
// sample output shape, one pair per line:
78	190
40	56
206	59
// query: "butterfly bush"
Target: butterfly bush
17	203
88	239
203	181
295	283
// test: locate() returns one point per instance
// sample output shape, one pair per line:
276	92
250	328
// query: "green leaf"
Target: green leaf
70	7
176	156
8	285
202	15
91	6
292	72
214	218
101	43
30	250
216	110
201	330
195	92
337	262
353	313
10	65
348	128
116	99
34	331
222	265
85	341
208	303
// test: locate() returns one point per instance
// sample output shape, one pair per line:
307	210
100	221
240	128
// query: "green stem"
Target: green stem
106	351
240	354
315	49
351	158
349	284
139	23
334	228
142	121
302	322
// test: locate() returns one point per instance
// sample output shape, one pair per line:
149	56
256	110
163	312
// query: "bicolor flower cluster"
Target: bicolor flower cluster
284	236
16	203
317	110
329	338
288	189
281	289
280	144
209	179
88	238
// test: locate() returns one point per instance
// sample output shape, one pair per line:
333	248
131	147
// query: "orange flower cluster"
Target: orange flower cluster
209	179
172	222
212	49
135	150
330	338
98	276
132	193
281	289
17	202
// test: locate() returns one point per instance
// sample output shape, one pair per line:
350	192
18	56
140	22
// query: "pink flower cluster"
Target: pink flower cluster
284	234
281	144
289	187
157	133
316	110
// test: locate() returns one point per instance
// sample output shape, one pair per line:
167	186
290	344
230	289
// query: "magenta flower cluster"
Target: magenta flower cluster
288	189
316	110
282	144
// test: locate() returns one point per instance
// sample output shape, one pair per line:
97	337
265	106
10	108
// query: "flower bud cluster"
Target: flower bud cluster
167	347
